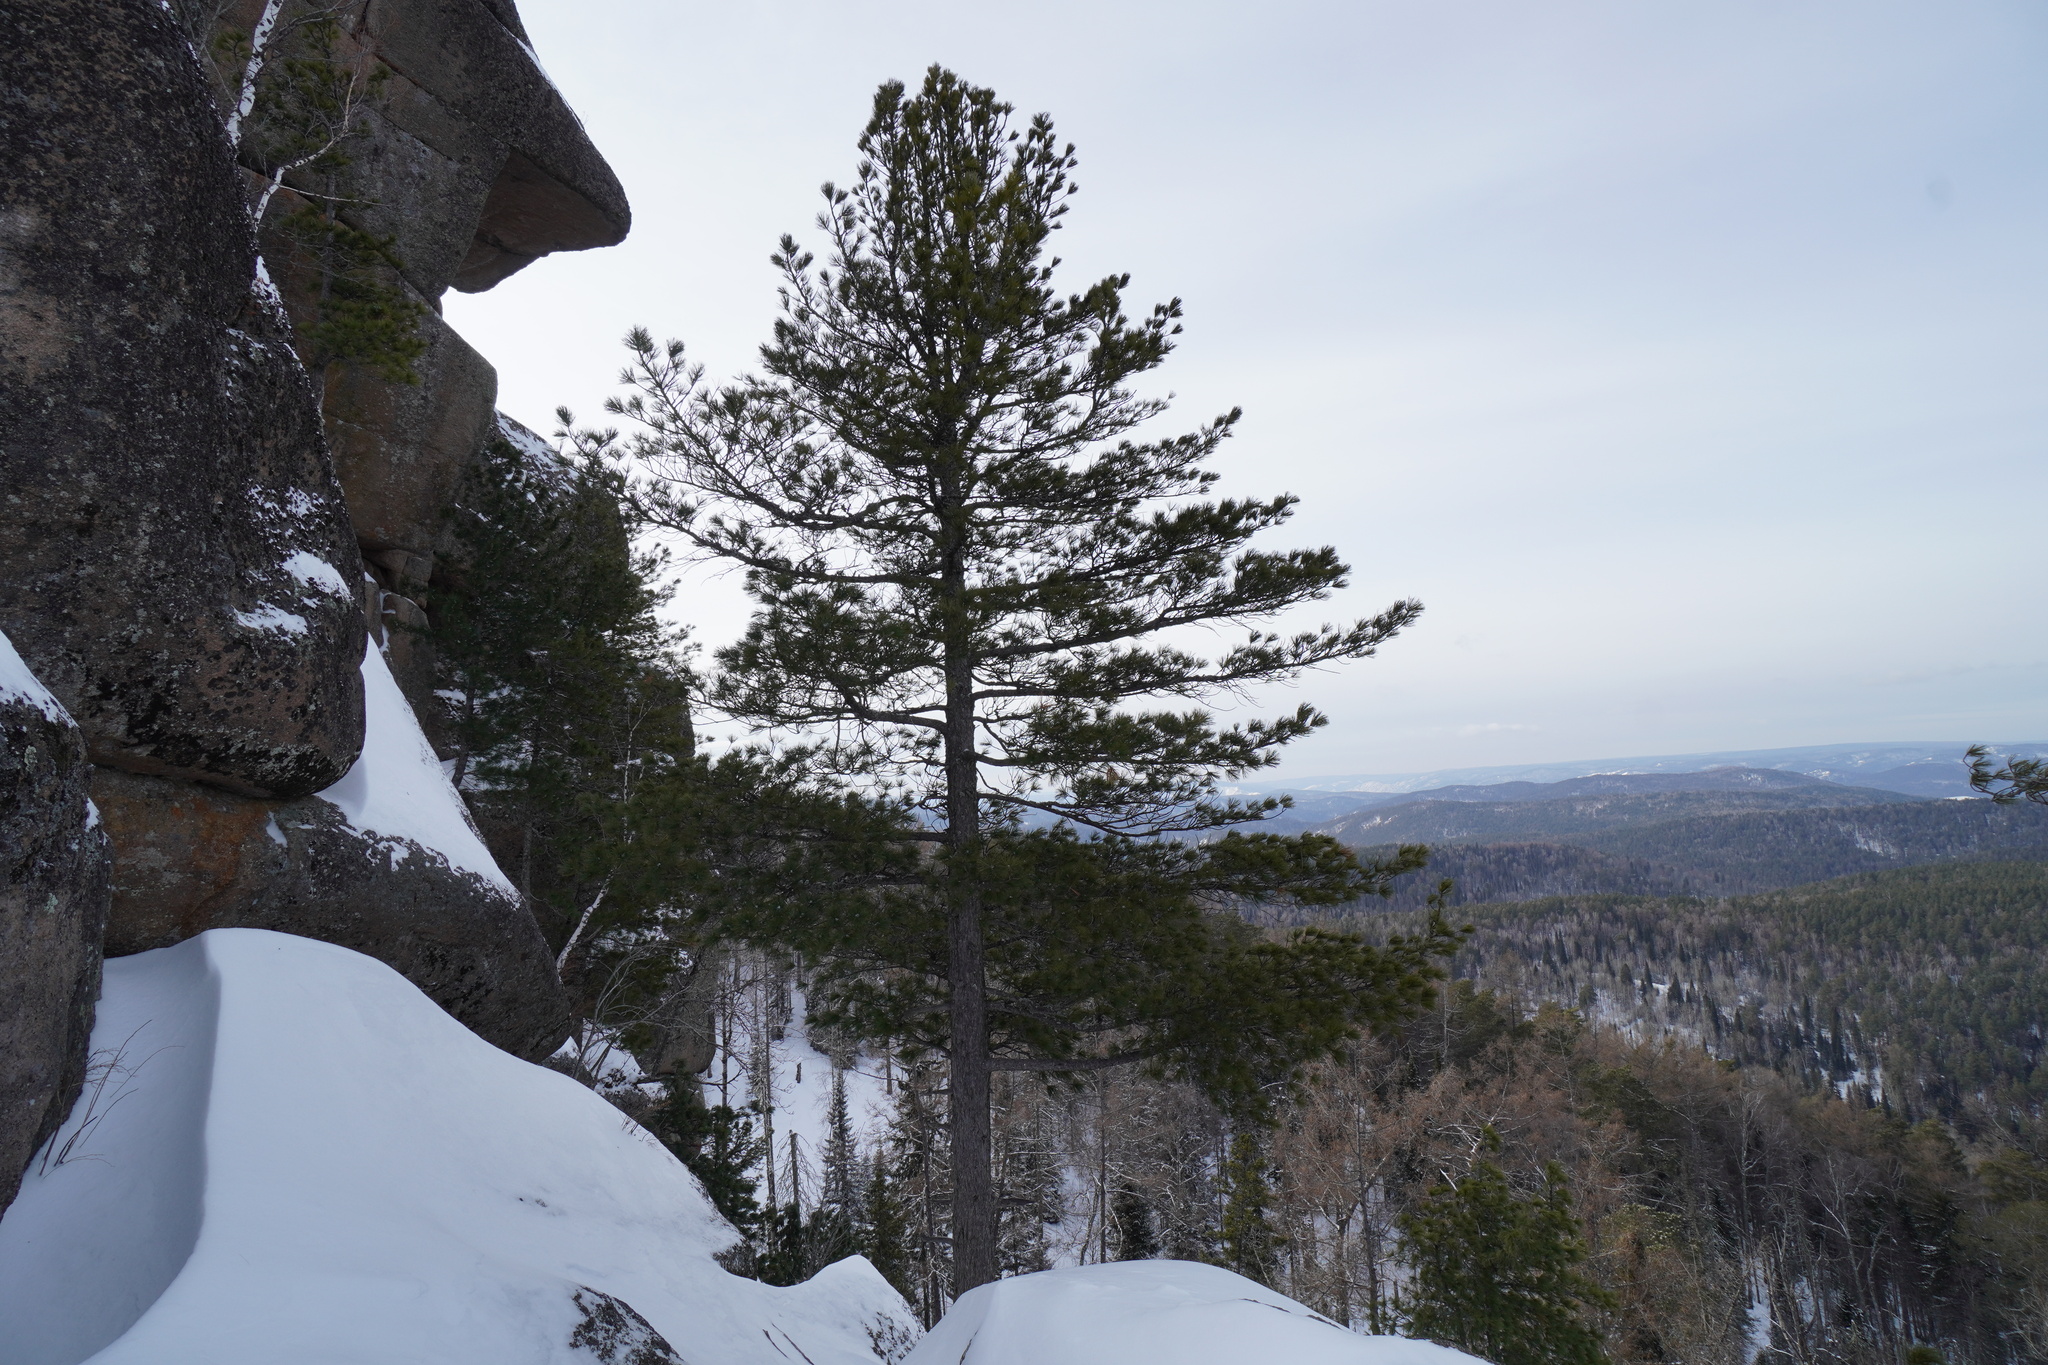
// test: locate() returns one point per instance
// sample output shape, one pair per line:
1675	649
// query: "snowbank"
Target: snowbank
398	789
302	1159
1152	1313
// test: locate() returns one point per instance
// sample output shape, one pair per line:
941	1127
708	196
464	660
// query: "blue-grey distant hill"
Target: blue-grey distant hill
1717	831
1575	810
1928	768
1662	795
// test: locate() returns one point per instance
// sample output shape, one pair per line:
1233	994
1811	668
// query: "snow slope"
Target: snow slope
302	1159
398	790
799	1085
1152	1313
17	683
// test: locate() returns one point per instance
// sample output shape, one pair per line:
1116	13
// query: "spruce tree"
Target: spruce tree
1498	1274
832	1232
1251	1246
567	688
571	732
839	1187
783	1260
964	559
718	1144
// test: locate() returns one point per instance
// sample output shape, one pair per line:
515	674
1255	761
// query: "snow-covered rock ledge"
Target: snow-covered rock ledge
1153	1313
297	1157
385	861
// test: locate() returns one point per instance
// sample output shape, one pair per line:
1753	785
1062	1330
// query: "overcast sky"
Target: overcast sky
1686	360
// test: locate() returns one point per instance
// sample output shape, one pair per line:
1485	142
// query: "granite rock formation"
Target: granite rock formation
176	562
471	167
53	901
194	858
200	512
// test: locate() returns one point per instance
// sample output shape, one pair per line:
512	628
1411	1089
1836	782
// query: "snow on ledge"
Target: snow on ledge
310	1162
268	617
529	443
1152	1313
315	572
18	683
398	791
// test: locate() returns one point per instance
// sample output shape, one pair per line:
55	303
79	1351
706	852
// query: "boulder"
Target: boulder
182	525
471	165
176	560
683	1025
548	188
53	901
469	160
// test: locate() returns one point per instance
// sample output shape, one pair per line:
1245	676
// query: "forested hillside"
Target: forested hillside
1919	988
1578	818
1728	852
1739	853
1746	788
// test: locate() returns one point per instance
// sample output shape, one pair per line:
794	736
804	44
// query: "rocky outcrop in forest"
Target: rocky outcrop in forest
223	472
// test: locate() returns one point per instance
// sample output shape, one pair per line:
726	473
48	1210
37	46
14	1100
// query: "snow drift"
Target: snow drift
295	1156
398	794
1152	1313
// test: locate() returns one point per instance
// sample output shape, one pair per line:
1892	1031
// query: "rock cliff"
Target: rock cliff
221	473
53	903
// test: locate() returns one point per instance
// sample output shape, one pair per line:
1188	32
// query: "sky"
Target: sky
1686	361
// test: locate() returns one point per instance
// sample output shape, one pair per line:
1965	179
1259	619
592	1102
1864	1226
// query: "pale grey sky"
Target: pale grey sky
1687	360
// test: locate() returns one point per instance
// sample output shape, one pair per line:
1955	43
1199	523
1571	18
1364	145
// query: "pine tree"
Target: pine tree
884	1232
719	1146
963	561
1251	1246
2020	779
1498	1274
1133	1225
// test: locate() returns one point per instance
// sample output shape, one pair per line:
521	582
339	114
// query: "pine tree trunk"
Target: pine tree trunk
974	1209
974	1205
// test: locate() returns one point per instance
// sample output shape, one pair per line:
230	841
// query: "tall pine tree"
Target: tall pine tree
965	560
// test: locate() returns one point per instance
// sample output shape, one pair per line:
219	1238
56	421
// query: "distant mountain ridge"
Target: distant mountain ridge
1927	768
1348	815
1569	811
